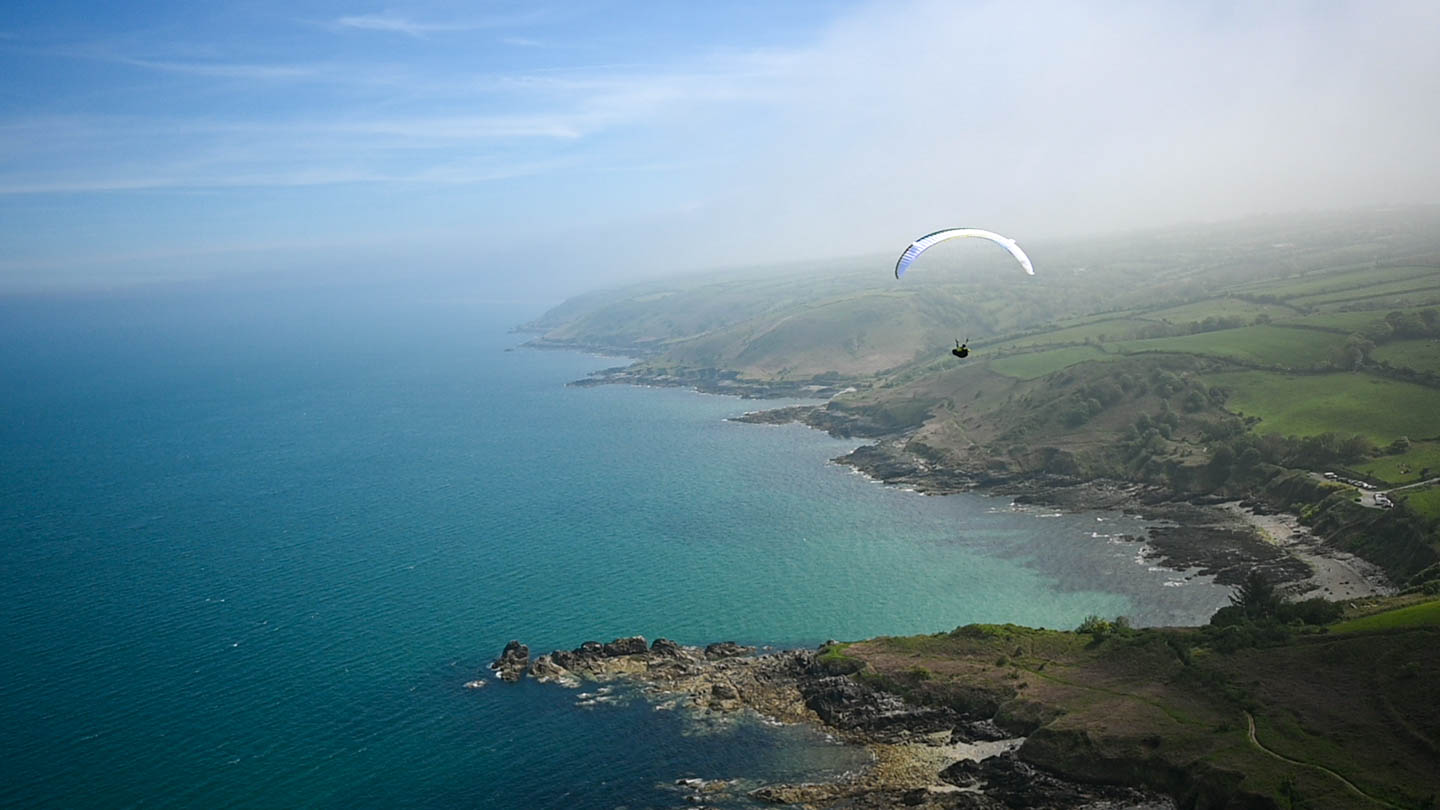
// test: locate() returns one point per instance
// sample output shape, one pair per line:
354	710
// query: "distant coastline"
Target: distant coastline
1221	537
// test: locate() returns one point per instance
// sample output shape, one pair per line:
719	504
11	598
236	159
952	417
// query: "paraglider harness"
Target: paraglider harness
961	350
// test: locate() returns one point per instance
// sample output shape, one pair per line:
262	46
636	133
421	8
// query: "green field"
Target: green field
1038	364
1422	354
1344	403
1218	308
1405	468
1264	345
1371	290
1424	501
1110	330
1425	613
1332	282
1346	322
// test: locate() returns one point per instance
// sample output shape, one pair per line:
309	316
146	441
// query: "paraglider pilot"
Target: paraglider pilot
961	350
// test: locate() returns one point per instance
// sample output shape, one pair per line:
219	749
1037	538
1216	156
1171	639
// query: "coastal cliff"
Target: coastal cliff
987	716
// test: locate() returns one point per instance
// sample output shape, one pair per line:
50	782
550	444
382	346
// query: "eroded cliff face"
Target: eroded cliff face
1081	755
1400	544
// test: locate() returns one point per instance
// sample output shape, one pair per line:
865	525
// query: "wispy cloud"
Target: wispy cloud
1092	116
396	24
225	70
272	171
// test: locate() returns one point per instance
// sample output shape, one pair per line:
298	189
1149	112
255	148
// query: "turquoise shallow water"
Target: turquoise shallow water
252	544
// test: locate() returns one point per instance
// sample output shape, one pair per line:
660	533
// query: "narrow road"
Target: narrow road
1250	719
1367	495
1412	486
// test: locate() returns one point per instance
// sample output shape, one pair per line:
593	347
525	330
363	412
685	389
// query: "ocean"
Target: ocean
254	543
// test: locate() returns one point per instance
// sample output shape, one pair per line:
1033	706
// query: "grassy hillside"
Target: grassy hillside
1236	360
1422	354
1418	462
1421	615
1341	719
1030	365
1382	410
1206	360
1270	346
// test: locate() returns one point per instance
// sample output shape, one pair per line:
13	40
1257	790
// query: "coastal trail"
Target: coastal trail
1250	720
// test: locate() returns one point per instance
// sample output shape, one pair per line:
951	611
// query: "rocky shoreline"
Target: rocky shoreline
1215	537
921	756
1222	538
712	381
1219	537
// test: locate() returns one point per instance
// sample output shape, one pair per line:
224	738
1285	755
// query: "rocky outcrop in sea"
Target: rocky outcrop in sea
513	662
922	756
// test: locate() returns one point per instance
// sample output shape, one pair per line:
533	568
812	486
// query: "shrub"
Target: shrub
1256	596
1315	611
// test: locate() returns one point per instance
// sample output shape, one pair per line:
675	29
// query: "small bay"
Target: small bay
253	545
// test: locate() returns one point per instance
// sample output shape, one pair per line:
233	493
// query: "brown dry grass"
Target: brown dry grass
1362	705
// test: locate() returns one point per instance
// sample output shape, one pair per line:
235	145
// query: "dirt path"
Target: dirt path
1250	719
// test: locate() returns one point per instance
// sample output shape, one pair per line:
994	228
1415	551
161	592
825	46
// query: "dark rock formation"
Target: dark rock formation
979	731
666	647
545	670
965	774
513	661
634	645
851	706
726	649
1020	785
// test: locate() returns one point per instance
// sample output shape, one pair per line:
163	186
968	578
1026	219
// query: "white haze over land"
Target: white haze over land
588	143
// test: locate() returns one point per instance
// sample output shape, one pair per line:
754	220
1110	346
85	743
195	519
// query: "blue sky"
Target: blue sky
592	141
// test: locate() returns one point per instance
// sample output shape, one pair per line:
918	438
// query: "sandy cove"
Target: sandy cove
1337	575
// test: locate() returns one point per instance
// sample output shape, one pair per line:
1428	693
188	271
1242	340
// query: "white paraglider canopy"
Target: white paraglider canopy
930	240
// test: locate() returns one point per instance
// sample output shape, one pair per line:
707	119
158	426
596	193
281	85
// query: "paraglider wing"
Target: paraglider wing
930	240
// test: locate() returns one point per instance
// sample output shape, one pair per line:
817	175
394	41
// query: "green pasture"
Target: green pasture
1423	501
1421	354
1404	287
1218	308
1382	304
1110	330
1344	403
1334	282
1083	320
1264	345
1346	322
1425	613
1404	468
1038	364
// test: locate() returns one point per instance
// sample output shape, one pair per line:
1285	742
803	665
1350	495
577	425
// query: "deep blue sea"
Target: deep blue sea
252	545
